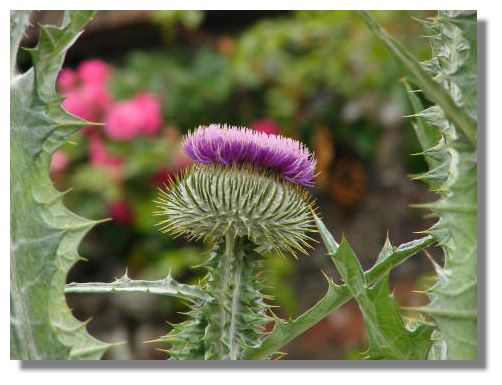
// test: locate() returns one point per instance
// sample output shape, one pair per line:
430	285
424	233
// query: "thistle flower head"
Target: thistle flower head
234	145
246	184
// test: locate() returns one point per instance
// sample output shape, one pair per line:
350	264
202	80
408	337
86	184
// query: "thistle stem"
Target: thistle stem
236	303
234	316
226	267
230	300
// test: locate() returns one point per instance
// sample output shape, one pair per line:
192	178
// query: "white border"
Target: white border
487	11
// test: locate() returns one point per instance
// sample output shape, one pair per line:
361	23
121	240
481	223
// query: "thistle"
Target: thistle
245	196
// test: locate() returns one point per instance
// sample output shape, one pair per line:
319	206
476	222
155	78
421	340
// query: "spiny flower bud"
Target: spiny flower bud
247	184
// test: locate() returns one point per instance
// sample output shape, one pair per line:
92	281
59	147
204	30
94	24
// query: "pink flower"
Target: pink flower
89	102
60	162
124	120
66	81
162	176
85	89
267	126
100	157
97	95
93	71
121	212
76	104
87	97
130	118
165	174
150	107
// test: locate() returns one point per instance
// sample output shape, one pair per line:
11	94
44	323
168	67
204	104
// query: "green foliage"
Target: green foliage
336	295
44	234
308	50
449	79
210	201
169	20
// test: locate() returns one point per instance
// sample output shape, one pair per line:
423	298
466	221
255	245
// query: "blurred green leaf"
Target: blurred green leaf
431	88
168	19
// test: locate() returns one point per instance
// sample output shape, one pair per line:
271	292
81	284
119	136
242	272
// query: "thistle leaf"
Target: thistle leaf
389	338
18	22
449	79
336	295
44	234
427	135
453	297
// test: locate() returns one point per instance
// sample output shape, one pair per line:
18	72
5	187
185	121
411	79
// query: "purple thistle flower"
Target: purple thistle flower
227	145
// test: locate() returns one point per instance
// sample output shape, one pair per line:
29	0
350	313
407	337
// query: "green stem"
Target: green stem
225	285
234	316
239	301
236	303
167	286
226	268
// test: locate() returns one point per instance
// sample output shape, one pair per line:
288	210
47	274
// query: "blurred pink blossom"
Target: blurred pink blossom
93	71
60	162
267	126
100	157
66	81
129	118
165	174
149	105
124	120
97	94
121	212
88	102
75	103
85	89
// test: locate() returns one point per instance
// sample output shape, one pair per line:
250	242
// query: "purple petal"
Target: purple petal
227	145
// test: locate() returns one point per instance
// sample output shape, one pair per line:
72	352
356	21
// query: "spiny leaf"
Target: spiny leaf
44	234
426	134
389	339
453	69
453	297
335	297
18	22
